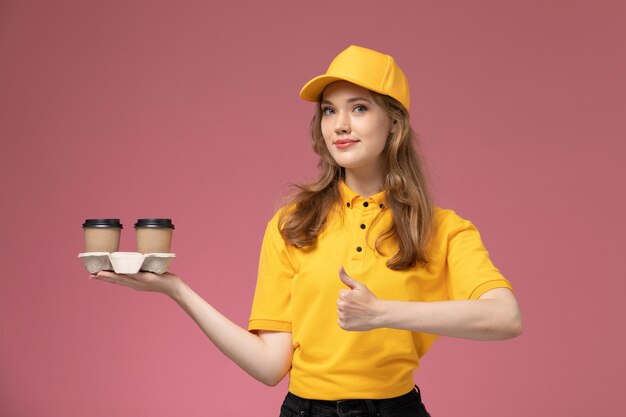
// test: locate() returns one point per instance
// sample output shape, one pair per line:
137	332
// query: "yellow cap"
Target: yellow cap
364	67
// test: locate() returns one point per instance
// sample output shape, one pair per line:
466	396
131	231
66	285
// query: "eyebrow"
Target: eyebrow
350	100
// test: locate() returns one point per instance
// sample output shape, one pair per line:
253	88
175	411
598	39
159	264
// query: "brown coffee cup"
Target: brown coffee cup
154	235
102	235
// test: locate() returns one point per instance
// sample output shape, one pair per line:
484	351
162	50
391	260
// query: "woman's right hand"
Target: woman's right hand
142	281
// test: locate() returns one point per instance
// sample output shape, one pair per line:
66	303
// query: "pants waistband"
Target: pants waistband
371	404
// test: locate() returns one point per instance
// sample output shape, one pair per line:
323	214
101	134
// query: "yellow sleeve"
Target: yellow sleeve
272	296
470	272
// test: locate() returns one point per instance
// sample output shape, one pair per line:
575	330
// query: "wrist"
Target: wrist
383	314
175	289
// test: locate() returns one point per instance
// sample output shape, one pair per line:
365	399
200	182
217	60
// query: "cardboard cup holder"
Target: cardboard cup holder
126	262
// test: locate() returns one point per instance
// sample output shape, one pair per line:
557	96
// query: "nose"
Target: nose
342	123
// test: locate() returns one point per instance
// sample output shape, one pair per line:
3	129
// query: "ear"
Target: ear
394	124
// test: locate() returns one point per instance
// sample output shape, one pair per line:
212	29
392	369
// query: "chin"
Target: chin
348	163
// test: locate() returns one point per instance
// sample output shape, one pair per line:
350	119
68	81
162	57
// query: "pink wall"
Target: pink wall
190	110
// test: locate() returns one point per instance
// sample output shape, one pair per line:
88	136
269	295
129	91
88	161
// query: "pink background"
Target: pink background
190	110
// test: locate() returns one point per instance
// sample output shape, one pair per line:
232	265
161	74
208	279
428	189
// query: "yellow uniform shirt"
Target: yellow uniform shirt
297	291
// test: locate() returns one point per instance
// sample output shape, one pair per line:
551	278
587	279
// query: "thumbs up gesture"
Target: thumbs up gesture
358	308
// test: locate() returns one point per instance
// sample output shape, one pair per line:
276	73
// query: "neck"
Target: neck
364	182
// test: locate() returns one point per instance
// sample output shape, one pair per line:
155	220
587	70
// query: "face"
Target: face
355	128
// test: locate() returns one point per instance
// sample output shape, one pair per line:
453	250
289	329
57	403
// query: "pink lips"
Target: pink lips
344	143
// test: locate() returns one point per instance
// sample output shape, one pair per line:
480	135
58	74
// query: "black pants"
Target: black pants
407	405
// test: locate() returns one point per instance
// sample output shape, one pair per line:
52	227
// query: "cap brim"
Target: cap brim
313	89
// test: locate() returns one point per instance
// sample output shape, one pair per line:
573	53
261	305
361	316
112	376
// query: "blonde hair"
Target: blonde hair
408	193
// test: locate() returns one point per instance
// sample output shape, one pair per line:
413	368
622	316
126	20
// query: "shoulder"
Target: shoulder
281	212
277	220
446	220
449	225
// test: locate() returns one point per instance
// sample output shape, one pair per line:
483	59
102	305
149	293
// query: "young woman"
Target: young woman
361	272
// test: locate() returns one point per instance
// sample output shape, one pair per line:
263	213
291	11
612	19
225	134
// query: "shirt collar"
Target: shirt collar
351	199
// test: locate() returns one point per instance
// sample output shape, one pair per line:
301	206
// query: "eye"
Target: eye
327	111
360	108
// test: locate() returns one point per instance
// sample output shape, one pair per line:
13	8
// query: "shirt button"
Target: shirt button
359	249
365	204
362	226
382	205
348	204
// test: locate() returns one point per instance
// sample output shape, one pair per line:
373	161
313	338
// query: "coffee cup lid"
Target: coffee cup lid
103	223
162	223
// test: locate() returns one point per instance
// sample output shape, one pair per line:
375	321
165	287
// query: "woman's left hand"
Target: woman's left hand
358	308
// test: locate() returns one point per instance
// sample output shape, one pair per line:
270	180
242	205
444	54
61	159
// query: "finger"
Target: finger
343	323
117	279
346	279
343	294
107	274
141	276
342	303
